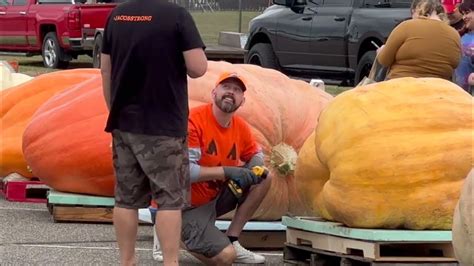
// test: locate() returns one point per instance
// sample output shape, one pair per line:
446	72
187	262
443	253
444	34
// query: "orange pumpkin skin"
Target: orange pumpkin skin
85	164
311	175
65	143
398	153
18	106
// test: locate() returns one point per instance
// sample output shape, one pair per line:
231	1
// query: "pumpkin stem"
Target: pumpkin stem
283	158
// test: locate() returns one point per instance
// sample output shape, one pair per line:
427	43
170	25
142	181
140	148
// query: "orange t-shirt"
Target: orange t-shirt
215	145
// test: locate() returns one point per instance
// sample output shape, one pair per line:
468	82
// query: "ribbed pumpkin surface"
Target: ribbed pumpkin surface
18	104
282	113
398	153
311	175
65	144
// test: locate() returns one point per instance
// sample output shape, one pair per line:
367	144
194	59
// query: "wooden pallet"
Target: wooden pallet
69	207
25	191
303	255
376	247
255	235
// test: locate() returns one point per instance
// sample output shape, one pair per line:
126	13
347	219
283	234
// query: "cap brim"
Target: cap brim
242	83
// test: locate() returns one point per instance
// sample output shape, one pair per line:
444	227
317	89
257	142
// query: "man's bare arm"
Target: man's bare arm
106	71
196	62
202	173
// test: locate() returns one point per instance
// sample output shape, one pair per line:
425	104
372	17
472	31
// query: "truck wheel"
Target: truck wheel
261	54
364	66
52	52
96	52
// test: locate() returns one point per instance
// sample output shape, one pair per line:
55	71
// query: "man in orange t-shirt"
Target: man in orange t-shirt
222	147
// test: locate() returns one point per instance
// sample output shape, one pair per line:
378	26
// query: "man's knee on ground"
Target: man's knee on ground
226	256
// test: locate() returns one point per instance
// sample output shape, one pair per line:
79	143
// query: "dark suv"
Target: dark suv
329	39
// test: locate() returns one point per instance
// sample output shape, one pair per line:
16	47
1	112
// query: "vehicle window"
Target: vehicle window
338	2
5	2
19	2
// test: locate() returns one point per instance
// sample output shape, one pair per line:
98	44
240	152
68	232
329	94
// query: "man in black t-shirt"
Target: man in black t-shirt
149	48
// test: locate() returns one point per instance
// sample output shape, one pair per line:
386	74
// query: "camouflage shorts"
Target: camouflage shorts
149	167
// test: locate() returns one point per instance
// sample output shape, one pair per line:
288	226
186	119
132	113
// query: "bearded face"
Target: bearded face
229	96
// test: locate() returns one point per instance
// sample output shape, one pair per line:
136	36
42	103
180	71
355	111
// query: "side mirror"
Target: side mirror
288	3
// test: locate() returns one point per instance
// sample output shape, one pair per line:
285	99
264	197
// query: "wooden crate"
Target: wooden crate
375	247
269	235
70	207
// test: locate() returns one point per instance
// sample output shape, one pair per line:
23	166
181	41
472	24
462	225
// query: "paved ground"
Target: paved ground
28	236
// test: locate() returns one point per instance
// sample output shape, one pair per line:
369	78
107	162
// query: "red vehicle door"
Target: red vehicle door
14	24
4	4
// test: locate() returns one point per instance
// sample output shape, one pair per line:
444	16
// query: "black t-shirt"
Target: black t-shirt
145	40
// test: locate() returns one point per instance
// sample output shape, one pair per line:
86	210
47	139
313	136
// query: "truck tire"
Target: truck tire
262	54
52	53
97	50
364	66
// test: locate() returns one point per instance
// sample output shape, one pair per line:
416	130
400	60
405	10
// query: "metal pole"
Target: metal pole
240	16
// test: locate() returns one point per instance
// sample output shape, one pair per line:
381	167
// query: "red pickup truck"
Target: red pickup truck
59	30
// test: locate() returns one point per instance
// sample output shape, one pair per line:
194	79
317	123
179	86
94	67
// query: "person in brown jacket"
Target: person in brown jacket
425	46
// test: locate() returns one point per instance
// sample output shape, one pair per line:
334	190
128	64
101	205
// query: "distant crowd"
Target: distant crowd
437	42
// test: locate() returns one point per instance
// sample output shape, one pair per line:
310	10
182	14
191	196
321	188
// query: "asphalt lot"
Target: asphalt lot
28	236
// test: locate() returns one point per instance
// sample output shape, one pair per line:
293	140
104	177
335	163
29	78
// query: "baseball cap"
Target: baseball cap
232	75
449	8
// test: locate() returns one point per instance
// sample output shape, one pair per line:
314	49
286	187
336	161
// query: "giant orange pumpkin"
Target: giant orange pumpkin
311	175
18	104
66	146
397	152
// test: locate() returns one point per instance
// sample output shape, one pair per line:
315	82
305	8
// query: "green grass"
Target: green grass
33	66
335	90
209	25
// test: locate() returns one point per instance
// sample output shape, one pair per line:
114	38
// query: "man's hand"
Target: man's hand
470	79
242	176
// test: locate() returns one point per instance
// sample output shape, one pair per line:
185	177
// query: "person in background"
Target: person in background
149	48
470	80
425	46
454	16
464	72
